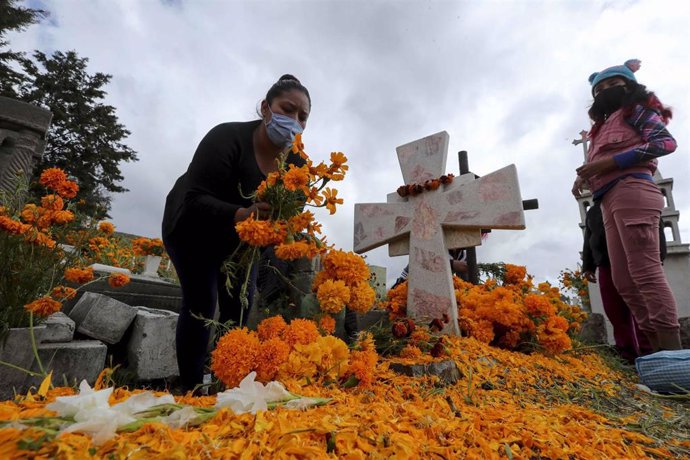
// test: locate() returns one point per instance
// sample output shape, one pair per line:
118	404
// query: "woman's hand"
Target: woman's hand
578	186
259	210
589	276
596	168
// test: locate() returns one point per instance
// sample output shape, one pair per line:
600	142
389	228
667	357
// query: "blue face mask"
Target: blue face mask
281	129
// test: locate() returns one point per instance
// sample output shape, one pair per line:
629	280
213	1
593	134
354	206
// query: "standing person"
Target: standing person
458	266
627	136
208	200
630	341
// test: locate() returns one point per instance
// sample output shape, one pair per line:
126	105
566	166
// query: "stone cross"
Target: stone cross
427	225
582	140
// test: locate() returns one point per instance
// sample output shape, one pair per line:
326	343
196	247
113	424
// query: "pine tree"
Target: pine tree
13	18
85	137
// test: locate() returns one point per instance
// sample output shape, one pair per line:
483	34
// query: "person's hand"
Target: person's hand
589	276
459	266
259	210
578	187
596	168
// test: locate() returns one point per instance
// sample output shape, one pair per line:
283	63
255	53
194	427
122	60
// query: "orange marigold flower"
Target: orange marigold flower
272	178
45	219
410	352
298	146
272	355
296	178
538	305
300	222
313	197
333	295
330	195
515	274
271	327
13	226
79	275
52	202
45	306
327	324
301	331
97	243
319	280
257	232
346	266
30	213
63	217
3	210
67	189
362	297
63	292
52	177
106	227
338	159
117	279
235	356
396	301
292	251
362	366
39	238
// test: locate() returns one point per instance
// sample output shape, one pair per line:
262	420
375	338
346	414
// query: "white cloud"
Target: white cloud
507	80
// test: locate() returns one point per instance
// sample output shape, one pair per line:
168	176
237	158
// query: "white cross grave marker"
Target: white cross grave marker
425	226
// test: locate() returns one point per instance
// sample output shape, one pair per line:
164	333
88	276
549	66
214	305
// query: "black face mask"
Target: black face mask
609	100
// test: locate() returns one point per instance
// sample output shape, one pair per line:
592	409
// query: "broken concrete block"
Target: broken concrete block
15	349
59	328
71	362
102	318
151	347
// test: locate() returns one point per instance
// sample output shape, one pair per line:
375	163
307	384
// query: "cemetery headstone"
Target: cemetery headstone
427	225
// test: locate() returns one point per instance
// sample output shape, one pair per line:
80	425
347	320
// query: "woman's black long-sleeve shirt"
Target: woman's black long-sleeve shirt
204	200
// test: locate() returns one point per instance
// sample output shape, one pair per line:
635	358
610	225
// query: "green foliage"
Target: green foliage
85	138
575	284
29	271
496	271
13	18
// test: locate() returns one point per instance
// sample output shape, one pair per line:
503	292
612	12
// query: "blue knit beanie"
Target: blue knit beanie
626	71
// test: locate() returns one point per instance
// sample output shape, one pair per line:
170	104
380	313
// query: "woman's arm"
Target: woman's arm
658	141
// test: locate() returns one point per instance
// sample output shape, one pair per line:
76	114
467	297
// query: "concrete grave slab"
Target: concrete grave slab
151	349
59	328
102	318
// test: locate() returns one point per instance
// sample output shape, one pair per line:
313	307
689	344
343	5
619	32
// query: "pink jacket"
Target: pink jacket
616	136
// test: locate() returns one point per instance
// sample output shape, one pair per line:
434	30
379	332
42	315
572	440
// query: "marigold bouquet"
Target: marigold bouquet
293	232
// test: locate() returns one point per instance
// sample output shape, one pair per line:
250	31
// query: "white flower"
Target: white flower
252	396
141	402
304	402
87	399
181	418
94	415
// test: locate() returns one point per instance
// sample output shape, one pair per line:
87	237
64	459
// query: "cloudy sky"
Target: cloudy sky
506	79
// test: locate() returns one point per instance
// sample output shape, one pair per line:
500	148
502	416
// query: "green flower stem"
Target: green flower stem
34	348
31	373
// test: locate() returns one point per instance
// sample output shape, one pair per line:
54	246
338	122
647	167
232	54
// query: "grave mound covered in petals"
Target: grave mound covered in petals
506	404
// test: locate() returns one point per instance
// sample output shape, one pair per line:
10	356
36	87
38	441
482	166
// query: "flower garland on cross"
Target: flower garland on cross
428	185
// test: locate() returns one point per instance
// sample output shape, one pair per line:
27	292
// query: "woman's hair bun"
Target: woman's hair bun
287	76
